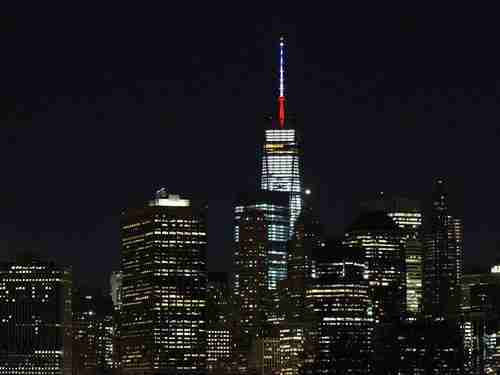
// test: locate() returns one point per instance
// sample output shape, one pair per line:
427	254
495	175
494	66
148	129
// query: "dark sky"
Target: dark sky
100	106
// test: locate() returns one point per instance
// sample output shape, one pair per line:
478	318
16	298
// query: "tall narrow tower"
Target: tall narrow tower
443	258
281	164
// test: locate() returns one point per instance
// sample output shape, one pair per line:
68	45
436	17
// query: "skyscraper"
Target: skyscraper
340	301
92	331
306	244
251	270
407	215
274	206
164	287
281	156
35	318
443	258
250	290
378	235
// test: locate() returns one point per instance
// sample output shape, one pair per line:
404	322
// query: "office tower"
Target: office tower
219	348
379	237
281	155
480	294
340	302
408	217
443	258
266	355
92	340
274	206
219	323
164	287
35	312
218	298
105	342
250	269
421	346
306	243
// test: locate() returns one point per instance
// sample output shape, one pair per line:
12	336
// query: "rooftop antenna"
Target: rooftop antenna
281	98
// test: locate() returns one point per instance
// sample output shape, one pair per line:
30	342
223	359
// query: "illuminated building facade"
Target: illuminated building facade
92	331
266	351
35	318
163	327
306	243
219	323
379	237
443	258
250	267
408	217
274	206
421	346
480	294
219	347
281	156
341	304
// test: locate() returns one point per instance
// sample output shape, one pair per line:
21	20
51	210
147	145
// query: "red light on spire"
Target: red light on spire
281	101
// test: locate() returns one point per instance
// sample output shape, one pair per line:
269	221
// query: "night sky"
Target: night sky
101	106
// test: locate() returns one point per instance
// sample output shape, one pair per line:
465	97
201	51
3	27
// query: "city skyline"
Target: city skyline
76	133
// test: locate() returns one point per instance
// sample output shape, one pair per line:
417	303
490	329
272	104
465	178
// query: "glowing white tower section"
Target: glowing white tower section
281	164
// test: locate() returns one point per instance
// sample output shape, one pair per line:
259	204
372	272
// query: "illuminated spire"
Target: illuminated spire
281	98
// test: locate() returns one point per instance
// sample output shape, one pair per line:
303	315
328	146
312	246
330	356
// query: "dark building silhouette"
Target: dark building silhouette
443	258
379	237
163	293
93	331
419	347
295	331
308	242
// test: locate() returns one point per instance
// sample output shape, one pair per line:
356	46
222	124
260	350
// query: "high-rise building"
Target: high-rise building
219	323
341	305
219	347
250	267
92	331
250	291
306	244
281	156
274	206
266	355
443	258
379	237
408	217
421	346
35	318
163	327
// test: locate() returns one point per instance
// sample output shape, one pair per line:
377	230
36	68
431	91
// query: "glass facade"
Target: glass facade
274	206
282	168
